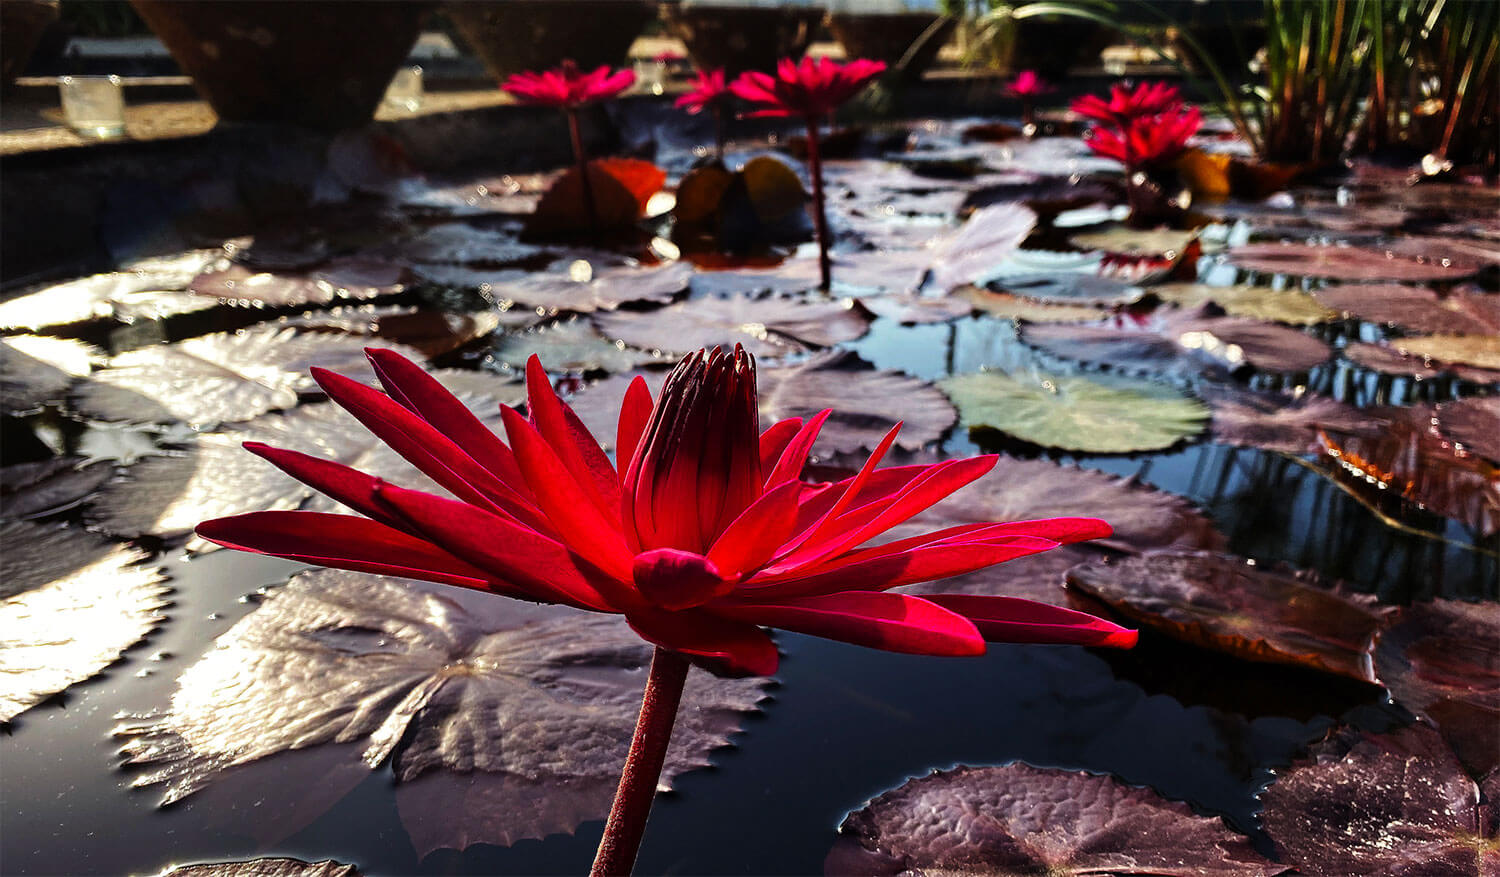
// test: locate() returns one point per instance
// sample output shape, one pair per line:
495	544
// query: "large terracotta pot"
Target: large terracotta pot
740	38
886	36
21	25
316	63
510	36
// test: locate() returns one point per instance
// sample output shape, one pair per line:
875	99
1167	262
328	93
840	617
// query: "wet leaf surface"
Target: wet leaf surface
1018	819
570	345
1441	660
979	249
1354	264
35	369
1391	804
620	188
341	279
150	290
1068	288
1124	241
432	332
1480	351
1077	413
1181	344
866	403
1269	614
47	487
277	867
1253	302
604	288
1473	423
1281	423
434	680
1012	307
458	243
768	327
218	378
70	605
1387	359
1411	307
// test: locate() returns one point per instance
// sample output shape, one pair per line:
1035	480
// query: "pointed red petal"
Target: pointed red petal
774	440
893	570
571	441
732	647
342	483
1013	620
789	466
635	413
893	622
758	533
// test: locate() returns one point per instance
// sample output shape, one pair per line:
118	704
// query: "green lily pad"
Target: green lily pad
1077	413
1256	302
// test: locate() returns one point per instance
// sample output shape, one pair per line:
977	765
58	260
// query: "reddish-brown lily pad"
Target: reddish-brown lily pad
1283	423
569	345
277	867
1389	360
1441	660
1230	604
1397	805
1354	264
866	403
979	249
432	680
769	326
1411	307
1473	424
620	188
1019	819
345	278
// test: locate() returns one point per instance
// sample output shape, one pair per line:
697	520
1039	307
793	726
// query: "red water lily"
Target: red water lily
810	88
1027	84
703	536
1145	141
708	89
567	87
1147	99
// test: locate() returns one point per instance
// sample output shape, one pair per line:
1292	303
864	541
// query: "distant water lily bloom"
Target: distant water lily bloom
1027	84
810	89
702	535
567	87
1145	141
708	89
1124	103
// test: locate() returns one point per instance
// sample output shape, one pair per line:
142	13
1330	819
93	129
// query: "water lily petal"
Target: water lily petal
729	647
1014	620
893	622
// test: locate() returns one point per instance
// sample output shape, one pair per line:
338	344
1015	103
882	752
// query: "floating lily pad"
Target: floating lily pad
1481	351
1387	359
342	279
433	680
70	605
598	288
866	403
1354	264
432	332
1411	307
1233	605
1166	243
1012	307
1393	804
1019	819
980	248
1253	302
911	310
1441	660
1077	413
1281	423
619	187
570	345
768	327
458	243
896	271
1181	344
221	378
1068	288
1474	424
35	369
47	487
148	290
277	867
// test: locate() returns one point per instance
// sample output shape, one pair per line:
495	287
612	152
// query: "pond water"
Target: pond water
841	724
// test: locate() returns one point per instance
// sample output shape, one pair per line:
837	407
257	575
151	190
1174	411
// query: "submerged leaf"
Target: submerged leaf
70	605
1230	604
217	378
1018	819
768	327
1355	264
1395	804
434	680
1077	413
1441	660
1254	302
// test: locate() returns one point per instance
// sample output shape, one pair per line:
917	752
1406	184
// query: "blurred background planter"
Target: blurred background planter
740	38
22	23
320	64
1054	46
510	36
886	36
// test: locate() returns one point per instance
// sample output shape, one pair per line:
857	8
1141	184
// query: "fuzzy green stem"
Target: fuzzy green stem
648	752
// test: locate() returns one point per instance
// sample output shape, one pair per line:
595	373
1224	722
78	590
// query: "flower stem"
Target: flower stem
820	219
648	751
581	159
718	130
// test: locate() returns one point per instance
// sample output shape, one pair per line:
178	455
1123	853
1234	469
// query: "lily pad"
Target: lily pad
432	680
146	290
458	243
231	376
1181	344
70	605
1474	424
47	487
913	310
277	867
1441	660
342	279
1481	351
1068	287
1391	804
1230	604
1284	424
866	403
1411	307
768	327
598	289
1166	243
619	187
1013	307
1386	359
980	248
432	332
1077	413
1019	819
1253	302
35	369
1353	264
570	345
